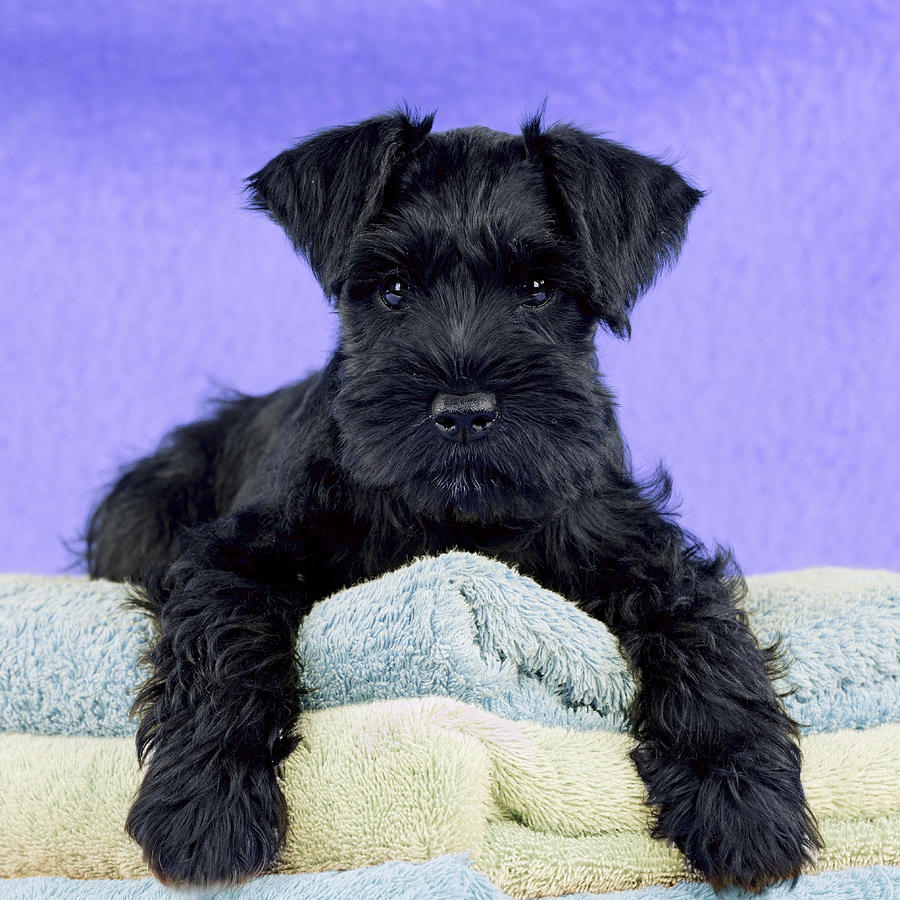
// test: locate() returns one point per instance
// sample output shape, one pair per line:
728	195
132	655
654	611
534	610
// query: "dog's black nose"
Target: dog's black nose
464	418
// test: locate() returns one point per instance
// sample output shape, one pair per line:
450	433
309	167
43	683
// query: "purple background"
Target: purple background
764	370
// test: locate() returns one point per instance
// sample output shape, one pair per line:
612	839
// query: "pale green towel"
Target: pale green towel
543	810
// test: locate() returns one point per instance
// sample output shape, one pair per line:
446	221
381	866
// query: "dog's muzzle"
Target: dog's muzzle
464	418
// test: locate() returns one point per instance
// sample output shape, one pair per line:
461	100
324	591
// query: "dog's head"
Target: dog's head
471	269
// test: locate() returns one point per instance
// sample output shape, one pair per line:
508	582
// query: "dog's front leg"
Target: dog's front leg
716	750
218	711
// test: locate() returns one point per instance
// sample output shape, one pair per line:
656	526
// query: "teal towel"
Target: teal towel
460	626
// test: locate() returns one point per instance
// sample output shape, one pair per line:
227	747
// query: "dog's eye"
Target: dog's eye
535	291
393	292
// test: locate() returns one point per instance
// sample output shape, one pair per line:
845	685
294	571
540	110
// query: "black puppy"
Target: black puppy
462	408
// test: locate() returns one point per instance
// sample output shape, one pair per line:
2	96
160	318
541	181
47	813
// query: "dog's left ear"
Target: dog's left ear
627	213
322	191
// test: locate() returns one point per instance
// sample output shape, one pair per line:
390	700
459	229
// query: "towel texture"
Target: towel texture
543	810
453	707
460	626
441	878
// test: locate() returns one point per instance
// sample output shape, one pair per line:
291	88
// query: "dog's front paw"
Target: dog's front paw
214	828
737	824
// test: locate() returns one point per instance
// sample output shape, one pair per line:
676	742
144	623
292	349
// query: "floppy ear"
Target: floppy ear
627	213
330	185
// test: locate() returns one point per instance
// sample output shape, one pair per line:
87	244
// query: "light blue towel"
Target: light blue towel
457	625
442	878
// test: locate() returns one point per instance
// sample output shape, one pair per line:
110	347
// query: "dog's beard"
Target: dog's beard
466	489
538	459
440	485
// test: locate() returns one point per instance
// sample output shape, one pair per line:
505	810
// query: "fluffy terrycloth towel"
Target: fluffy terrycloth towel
459	626
443	878
544	810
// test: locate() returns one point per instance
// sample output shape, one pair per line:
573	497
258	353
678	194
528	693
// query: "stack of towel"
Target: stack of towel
464	738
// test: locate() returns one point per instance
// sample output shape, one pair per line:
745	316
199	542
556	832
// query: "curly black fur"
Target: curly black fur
460	262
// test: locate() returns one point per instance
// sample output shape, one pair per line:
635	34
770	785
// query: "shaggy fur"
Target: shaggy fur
462	408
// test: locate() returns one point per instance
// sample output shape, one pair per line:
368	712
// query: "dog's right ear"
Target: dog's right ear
326	188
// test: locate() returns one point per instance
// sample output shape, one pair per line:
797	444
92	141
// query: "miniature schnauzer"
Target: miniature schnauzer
462	408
